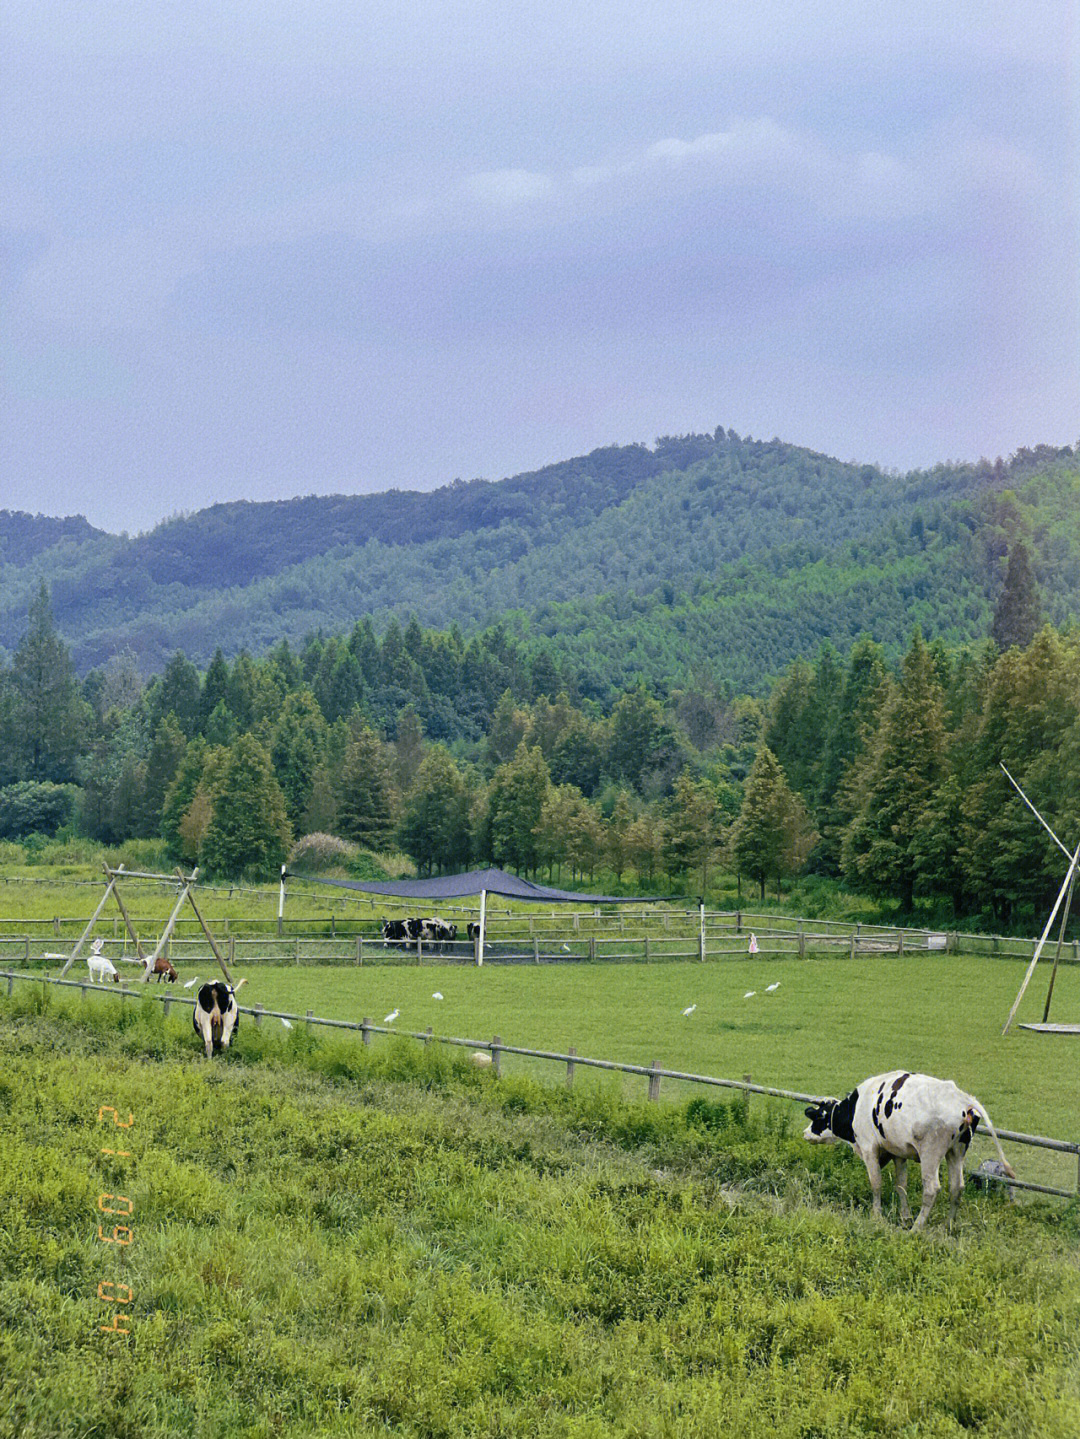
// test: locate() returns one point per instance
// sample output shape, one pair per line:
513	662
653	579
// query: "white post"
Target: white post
701	932
480	937
1039	947
281	903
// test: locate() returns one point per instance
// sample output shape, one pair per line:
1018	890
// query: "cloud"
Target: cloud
510	187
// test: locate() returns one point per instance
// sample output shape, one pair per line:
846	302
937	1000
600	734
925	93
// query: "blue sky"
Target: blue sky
253	251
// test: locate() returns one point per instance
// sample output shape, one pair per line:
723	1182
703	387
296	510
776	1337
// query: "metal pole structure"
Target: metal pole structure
1057	952
480	936
93	920
281	904
163	938
127	921
1039	947
701	931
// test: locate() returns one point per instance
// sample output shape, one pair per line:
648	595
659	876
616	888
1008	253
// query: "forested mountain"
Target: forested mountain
709	551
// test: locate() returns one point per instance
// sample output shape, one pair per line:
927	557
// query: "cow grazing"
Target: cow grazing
102	969
217	1016
473	930
900	1116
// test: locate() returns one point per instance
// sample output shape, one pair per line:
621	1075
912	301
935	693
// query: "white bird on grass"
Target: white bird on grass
687	1012
436	995
287	1023
566	949
770	987
191	983
391	1016
750	994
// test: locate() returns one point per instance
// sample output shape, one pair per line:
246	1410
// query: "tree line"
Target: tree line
885	776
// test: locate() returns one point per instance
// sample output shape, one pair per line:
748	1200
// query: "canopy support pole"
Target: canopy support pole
480	936
281	905
701	931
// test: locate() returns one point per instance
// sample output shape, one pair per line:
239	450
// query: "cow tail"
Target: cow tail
981	1112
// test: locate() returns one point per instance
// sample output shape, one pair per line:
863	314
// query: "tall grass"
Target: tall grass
337	1241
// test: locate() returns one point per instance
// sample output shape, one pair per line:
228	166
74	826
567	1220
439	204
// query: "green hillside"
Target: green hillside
704	550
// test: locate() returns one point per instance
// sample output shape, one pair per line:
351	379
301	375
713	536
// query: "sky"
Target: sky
251	251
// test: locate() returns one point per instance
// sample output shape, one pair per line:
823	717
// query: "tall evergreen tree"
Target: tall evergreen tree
249	831
434	829
1017	613
49	719
904	769
772	834
366	794
515	802
297	748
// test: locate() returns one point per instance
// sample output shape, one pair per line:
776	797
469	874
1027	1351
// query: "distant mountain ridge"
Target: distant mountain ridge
708	517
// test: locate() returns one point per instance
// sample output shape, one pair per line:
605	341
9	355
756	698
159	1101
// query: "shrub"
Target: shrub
318	852
35	808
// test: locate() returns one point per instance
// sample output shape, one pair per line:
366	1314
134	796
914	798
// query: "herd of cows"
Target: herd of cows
406	933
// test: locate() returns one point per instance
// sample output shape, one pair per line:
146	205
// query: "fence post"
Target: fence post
802	943
900	941
365	1030
738	921
56	924
166	1003
428	1034
232	950
298	949
952	942
570	1067
359	949
536	950
258	1015
654	1081
853	946
496	1055
310	1016
592	948
10	983
647	960
82	991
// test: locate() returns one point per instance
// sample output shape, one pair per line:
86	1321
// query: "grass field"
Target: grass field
332	1241
831	1023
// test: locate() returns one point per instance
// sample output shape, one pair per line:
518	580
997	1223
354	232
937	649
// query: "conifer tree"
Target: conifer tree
249	831
515	803
366	796
48	718
434	829
1017	613
772	835
903	771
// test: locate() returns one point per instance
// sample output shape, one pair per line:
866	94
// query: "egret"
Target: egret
770	987
191	983
391	1016
750	994
287	1023
436	995
566	949
687	1012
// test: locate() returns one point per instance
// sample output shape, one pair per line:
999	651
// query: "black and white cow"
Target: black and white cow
217	1016
900	1116
473	930
400	931
437	931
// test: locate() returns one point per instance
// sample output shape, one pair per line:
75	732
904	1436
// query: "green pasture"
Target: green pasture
831	1023
333	1241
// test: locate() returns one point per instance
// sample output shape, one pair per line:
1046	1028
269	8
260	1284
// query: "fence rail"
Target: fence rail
495	1046
505	946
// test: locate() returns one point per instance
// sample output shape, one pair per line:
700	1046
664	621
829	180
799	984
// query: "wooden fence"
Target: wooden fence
654	1072
629	936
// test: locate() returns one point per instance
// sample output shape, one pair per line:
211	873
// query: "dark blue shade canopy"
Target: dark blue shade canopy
462	886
